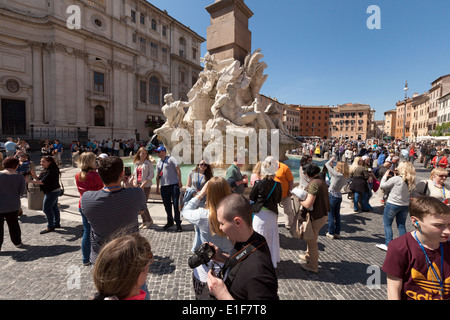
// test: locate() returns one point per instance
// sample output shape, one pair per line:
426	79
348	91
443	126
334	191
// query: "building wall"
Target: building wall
390	123
401	115
350	121
314	121
419	124
443	110
292	119
55	67
439	88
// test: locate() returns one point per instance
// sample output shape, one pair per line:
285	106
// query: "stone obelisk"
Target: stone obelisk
228	36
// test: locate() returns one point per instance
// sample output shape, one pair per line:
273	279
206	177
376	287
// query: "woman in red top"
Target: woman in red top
87	179
440	160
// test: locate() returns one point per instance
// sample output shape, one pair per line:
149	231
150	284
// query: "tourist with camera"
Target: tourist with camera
205	221
248	272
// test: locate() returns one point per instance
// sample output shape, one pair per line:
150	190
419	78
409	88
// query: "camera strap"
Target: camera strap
238	257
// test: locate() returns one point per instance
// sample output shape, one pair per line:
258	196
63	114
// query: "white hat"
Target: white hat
269	167
103	156
365	157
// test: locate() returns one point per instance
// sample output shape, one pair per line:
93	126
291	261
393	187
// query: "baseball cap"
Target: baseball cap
161	148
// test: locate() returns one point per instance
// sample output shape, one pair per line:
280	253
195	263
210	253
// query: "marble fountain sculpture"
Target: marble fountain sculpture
224	117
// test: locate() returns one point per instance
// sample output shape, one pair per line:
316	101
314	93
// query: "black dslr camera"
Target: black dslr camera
201	256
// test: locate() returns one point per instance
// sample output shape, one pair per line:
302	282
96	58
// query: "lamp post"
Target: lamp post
404	111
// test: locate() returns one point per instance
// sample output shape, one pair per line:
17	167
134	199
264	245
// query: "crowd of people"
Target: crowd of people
237	217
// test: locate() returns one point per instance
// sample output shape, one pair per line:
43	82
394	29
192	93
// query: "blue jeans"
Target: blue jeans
364	201
171	194
334	216
391	212
51	210
86	240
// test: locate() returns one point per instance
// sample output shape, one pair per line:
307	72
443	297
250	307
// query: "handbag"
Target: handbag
375	185
301	228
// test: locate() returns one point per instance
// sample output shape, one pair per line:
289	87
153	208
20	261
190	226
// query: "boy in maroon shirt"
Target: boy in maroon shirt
418	263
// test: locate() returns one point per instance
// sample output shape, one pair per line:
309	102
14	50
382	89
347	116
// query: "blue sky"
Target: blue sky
320	52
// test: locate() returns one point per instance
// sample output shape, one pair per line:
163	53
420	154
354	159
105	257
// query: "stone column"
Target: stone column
130	101
81	87
38	83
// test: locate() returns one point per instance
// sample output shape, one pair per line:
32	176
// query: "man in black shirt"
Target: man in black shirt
248	271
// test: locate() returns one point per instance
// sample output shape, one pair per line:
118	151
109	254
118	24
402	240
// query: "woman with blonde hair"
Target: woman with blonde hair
338	179
142	178
121	269
400	188
435	187
359	185
205	220
87	179
256	173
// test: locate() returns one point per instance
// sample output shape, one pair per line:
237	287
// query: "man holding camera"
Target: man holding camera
112	209
248	273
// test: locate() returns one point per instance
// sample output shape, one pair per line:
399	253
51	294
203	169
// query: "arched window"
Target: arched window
182	51
99	116
154	92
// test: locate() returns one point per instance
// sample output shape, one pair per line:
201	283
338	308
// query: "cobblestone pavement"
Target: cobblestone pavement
48	267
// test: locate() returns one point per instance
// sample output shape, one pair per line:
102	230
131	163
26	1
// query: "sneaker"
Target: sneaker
168	225
382	246
337	236
330	235
179	229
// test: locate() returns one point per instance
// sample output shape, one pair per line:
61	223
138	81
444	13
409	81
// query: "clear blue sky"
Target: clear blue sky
320	52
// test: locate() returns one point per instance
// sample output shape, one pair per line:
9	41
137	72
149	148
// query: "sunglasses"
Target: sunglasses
442	176
203	164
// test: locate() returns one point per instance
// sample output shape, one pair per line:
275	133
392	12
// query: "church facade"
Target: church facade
104	79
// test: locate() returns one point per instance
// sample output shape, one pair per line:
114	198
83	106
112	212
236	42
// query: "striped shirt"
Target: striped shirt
110	213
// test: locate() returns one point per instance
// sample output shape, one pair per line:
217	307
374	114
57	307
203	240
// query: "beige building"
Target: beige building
403	119
439	88
351	121
103	80
390	122
419	117
443	109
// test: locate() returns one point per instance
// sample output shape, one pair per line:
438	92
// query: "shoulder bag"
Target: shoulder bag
302	227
